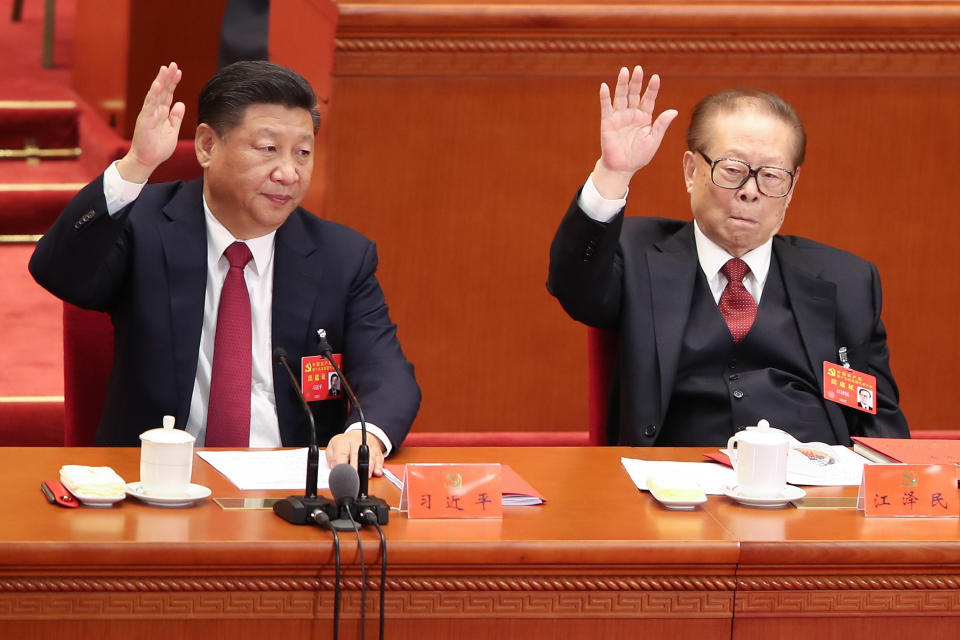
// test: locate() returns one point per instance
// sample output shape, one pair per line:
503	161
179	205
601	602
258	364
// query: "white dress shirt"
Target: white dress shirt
258	274
710	255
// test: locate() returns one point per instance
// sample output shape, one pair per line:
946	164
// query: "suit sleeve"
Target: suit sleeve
889	421
374	362
586	269
83	258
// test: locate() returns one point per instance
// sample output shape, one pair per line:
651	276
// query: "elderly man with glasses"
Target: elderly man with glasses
719	321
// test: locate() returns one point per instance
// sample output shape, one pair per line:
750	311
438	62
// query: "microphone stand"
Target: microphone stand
364	502
296	509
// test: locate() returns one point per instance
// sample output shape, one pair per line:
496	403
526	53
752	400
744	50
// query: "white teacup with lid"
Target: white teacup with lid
166	460
761	460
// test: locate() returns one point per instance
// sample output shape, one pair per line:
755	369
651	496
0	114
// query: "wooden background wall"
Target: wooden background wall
459	133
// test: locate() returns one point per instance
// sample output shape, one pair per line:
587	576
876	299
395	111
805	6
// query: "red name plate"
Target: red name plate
910	491
318	378
452	491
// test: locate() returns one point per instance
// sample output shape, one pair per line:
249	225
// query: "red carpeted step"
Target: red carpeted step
41	118
31	196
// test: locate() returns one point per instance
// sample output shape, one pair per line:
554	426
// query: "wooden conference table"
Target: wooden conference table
599	560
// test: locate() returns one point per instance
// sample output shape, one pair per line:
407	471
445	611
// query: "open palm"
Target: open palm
629	136
158	124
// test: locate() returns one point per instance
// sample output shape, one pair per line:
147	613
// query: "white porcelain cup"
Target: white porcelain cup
166	460
761	460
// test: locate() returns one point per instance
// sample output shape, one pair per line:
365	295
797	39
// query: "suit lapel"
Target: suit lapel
673	270
814	304
297	278
184	241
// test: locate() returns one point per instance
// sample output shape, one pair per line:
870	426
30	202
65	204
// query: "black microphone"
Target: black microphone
378	506
344	486
297	509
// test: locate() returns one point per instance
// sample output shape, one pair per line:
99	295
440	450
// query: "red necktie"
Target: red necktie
228	411
737	306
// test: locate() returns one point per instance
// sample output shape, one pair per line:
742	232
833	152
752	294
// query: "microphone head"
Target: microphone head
344	483
279	355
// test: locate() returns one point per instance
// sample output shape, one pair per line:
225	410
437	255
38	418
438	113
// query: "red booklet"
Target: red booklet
909	451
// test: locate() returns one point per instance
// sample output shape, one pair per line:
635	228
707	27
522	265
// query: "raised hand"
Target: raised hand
629	135
157	129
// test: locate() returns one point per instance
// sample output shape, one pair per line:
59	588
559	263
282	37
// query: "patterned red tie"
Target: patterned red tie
737	306
228	412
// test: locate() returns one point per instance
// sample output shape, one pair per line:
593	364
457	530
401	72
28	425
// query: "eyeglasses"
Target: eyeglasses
728	173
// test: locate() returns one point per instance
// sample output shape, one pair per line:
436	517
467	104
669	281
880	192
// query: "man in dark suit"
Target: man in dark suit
204	279
719	321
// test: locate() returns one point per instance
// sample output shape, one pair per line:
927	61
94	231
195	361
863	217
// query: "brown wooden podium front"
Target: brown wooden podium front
599	560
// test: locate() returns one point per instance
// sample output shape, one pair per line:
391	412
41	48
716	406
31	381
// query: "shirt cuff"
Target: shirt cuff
374	430
118	192
596	206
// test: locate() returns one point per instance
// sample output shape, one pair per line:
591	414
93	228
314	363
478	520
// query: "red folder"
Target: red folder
909	451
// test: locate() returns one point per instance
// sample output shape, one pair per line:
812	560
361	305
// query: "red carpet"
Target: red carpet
38	114
21	43
31	360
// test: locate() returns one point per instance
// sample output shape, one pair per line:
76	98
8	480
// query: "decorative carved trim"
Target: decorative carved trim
451	584
470	583
847	595
469	604
568	57
415	604
822	583
114	605
846	603
464	597
161	584
752	46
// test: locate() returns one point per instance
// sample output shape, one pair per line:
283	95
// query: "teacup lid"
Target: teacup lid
763	432
167	434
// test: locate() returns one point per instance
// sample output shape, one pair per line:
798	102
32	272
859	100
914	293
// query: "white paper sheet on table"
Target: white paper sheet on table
710	477
268	469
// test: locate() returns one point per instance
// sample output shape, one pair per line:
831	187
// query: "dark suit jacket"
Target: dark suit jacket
636	276
147	268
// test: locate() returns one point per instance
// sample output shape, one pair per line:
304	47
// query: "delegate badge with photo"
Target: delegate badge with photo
318	378
850	387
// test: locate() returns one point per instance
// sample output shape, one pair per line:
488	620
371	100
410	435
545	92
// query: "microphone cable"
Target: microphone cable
369	517
321	518
363	577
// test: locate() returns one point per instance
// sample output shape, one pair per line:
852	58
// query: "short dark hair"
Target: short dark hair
226	96
732	100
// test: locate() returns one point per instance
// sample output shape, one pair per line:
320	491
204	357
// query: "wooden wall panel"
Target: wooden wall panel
120	45
101	41
459	133
184	31
293	23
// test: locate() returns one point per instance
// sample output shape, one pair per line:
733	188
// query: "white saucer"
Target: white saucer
96	501
194	493
679	505
788	495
